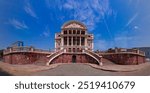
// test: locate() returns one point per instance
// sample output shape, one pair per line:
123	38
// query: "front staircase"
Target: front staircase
87	52
94	55
54	55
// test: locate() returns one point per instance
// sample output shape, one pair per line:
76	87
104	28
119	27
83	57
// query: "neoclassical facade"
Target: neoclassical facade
72	45
73	37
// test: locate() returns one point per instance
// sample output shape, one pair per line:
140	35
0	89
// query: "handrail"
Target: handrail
134	51
24	49
54	55
108	53
94	55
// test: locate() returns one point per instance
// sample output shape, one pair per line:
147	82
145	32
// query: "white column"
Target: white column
55	45
92	45
76	38
85	43
62	42
80	41
67	41
72	41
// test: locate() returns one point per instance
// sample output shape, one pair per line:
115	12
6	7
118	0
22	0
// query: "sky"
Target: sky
114	23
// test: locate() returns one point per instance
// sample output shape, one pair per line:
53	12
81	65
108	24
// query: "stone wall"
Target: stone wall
125	59
80	58
25	58
35	58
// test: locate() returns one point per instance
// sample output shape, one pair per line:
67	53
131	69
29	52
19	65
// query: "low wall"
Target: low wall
126	59
35	58
25	58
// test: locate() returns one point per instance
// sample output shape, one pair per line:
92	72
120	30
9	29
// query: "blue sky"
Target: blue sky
114	23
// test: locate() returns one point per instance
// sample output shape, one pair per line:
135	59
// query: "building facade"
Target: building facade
73	44
73	37
1	55
146	50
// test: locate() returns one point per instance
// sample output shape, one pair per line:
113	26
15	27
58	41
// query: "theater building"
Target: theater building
73	44
74	38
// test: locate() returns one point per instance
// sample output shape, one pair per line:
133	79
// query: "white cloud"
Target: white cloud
17	24
100	44
89	11
46	32
131	19
123	41
29	10
69	5
136	27
54	4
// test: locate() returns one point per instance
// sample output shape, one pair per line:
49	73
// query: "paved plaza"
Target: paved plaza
75	70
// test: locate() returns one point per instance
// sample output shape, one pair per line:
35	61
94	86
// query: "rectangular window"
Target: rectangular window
69	40
69	49
65	32
70	32
82	41
78	31
78	50
78	40
74	31
74	41
65	40
82	32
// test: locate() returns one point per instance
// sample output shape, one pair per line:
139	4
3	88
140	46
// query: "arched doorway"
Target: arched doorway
74	59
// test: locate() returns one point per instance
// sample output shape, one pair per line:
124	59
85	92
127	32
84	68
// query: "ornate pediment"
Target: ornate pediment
74	25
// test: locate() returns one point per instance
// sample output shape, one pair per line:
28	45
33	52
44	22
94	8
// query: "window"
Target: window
147	53
65	40
70	40
74	31
82	41
70	32
78	50
65	31
74	40
78	40
82	32
69	49
78	31
74	50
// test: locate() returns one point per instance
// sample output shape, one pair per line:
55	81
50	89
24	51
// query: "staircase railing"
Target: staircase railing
94	55
54	55
24	49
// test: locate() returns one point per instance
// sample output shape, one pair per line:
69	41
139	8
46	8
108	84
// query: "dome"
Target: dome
73	24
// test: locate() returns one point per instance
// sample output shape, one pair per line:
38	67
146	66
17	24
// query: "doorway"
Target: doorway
74	59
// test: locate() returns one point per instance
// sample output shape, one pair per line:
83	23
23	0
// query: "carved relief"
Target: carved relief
74	25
